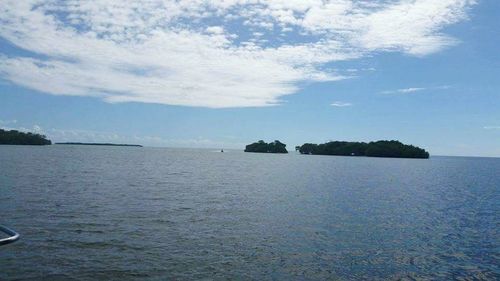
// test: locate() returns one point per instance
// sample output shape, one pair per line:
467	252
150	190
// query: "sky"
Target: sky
222	74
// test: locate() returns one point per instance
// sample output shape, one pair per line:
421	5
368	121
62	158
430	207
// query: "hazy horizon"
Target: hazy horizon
223	74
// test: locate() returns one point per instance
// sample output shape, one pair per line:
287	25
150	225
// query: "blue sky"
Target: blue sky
226	73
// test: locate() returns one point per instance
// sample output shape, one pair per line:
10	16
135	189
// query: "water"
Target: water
128	213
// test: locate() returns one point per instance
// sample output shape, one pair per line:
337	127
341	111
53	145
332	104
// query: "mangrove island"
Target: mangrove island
263	147
14	137
382	148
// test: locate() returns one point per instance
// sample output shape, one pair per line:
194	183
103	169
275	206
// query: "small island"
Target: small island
98	143
14	137
382	148
263	147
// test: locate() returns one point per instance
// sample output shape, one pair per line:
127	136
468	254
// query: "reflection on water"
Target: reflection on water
133	213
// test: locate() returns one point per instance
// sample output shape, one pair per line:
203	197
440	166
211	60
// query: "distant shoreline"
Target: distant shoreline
98	144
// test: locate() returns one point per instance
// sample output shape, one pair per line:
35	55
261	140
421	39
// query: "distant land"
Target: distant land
14	137
98	143
263	147
382	148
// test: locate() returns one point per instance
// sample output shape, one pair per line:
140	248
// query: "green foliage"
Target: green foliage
395	149
263	147
20	138
374	149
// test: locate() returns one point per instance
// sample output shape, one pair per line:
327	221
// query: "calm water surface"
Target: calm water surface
127	213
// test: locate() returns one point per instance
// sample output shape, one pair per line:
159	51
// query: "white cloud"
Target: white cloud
492	127
404	91
215	29
415	89
208	53
35	129
410	90
341	104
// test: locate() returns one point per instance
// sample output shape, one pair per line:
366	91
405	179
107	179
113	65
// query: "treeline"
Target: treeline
20	138
263	147
381	148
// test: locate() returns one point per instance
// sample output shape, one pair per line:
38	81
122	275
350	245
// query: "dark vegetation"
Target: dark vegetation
381	148
98	143
20	138
263	147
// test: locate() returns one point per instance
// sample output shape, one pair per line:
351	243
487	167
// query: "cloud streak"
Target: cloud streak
208	53
341	104
414	89
491	127
404	91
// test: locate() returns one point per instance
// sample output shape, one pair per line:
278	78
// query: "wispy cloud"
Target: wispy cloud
410	90
340	104
403	91
208	53
11	125
7	122
414	89
491	127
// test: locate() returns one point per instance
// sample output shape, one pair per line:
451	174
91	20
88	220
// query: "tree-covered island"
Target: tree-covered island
263	147
15	137
382	148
